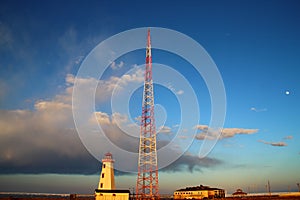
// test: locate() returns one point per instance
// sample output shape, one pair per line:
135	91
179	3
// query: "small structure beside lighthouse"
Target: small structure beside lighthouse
106	188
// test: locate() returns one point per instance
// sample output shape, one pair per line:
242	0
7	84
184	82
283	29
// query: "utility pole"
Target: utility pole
269	188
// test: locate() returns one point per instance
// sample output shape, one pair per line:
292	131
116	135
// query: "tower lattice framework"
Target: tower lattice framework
147	180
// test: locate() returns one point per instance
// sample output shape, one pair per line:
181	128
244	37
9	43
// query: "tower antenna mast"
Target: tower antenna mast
147	180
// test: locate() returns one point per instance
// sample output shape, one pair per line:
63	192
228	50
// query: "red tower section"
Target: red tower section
147	180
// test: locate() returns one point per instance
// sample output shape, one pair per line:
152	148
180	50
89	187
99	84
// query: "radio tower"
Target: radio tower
147	180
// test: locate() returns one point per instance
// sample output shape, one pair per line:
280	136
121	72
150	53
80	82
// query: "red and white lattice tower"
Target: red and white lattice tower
147	180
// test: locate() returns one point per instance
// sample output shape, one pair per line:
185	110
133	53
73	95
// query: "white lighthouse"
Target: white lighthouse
106	188
107	178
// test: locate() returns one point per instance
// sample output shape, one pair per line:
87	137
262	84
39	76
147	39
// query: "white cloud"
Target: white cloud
115	66
230	132
211	134
105	87
102	118
171	87
54	113
276	144
164	129
116	122
279	144
258	110
118	118
119	130
180	92
70	79
47	135
203	136
289	137
183	137
201	127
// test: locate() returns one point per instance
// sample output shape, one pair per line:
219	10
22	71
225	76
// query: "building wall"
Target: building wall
219	193
199	194
111	196
107	179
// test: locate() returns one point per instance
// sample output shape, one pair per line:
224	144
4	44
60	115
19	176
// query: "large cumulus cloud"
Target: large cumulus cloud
45	140
42	141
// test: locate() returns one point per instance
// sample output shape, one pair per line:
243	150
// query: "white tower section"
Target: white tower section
107	178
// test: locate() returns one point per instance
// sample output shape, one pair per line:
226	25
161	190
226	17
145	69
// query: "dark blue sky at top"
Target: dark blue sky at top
241	36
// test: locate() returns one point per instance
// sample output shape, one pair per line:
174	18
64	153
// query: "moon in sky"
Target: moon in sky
287	92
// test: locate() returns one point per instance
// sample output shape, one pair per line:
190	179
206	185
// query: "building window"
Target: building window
103	165
114	195
101	185
102	175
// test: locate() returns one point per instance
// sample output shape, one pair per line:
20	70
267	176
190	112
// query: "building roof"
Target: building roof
196	188
239	192
108	157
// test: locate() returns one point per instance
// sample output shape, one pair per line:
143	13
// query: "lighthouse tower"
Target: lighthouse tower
106	188
107	178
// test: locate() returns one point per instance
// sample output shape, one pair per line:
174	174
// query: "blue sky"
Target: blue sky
254	44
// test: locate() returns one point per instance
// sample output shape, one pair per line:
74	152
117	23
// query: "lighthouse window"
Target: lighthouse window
103	165
102	175
101	185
